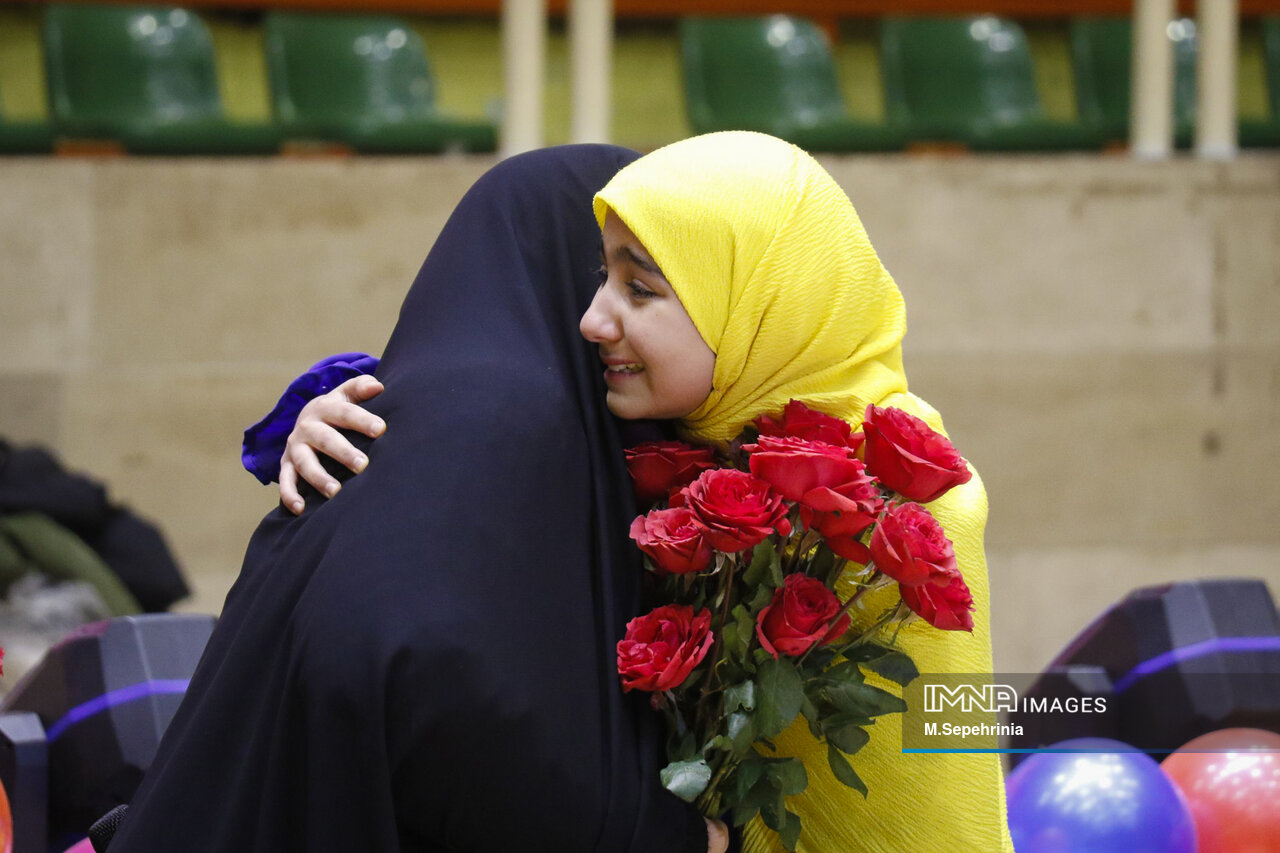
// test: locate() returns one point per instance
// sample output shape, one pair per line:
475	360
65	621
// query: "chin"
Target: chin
621	408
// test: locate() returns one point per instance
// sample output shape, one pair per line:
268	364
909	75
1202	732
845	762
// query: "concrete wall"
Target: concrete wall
1102	336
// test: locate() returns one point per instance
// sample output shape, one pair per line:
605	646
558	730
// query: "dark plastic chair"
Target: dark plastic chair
971	80
1101	57
363	81
1266	132
773	74
143	75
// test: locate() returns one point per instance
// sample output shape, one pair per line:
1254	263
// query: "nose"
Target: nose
600	324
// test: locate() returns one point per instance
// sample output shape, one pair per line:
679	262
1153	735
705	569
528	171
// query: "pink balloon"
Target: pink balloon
1231	779
84	846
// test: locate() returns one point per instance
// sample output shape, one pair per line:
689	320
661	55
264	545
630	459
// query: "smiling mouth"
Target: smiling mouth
624	368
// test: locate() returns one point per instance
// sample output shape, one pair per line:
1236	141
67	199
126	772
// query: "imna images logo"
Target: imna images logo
994	698
967	698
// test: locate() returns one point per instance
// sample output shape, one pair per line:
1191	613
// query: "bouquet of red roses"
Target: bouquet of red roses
761	554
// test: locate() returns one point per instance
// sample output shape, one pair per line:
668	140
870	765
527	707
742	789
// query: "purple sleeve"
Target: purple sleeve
264	441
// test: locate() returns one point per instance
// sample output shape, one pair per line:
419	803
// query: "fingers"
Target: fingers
288	486
316	430
309	467
359	389
339	408
323	438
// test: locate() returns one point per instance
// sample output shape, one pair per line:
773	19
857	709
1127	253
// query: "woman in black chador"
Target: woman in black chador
426	662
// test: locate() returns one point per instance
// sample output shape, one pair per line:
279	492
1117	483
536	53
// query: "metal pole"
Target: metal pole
591	46
1219	29
1151	100
524	50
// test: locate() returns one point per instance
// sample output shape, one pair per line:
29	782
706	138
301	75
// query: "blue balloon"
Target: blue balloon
1096	802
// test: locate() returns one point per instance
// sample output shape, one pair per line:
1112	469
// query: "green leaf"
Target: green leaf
758	571
721	742
823	562
778	698
864	651
741	732
687	747
863	699
740	696
896	666
775	567
847	733
790	775
760	600
740	813
845	672
841	769
738	633
746	776
765	794
686	779
732	638
810	712
789	835
773	811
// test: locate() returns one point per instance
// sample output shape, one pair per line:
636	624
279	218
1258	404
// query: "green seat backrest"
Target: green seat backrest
754	72
1271	54
342	68
1101	59
115	64
954	71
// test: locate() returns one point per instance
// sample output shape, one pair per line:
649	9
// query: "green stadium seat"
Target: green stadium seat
1266	132
773	74
24	137
142	75
971	80
362	81
1101	56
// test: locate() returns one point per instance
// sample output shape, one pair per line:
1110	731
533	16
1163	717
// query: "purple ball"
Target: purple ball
1107	796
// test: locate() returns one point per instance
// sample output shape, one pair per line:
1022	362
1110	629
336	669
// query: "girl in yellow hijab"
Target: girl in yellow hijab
787	299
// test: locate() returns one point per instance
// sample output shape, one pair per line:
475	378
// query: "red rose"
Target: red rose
738	510
660	466
674	540
795	466
947	607
908	456
842	513
800	421
910	546
661	648
799	616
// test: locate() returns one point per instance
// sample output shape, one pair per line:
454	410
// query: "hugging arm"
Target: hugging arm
283	445
316	430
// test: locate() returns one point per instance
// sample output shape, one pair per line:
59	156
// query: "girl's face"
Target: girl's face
656	363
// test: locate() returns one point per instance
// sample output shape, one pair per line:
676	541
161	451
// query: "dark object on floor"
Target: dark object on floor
31	480
104	828
24	772
103	696
1181	660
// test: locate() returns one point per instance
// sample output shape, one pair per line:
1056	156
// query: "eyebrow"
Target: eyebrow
626	253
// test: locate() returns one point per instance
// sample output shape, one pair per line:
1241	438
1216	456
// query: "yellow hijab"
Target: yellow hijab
810	313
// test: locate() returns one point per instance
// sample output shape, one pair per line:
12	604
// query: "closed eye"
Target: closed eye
639	291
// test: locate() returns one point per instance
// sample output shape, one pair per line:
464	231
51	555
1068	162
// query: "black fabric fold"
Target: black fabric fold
32	480
426	662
